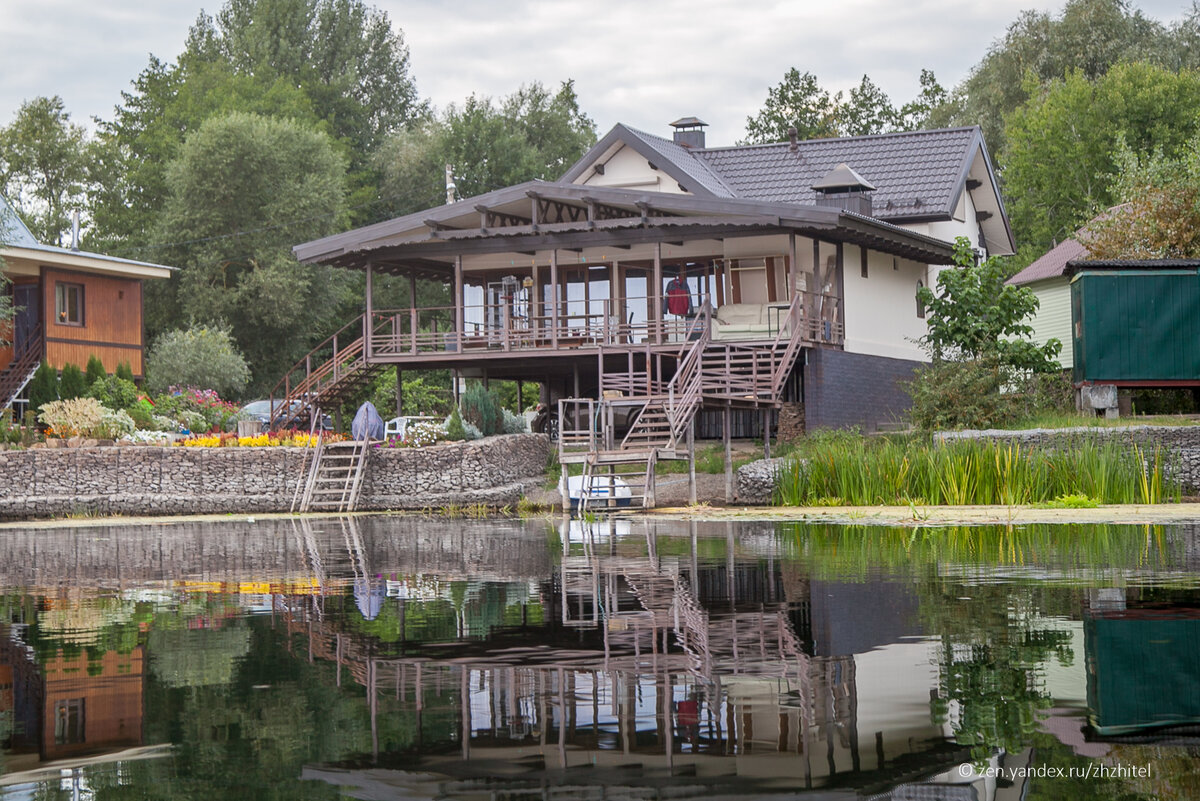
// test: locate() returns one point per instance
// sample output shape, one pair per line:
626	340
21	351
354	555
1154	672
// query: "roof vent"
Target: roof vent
845	189
689	132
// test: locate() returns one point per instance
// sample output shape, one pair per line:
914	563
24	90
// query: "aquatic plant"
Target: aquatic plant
961	473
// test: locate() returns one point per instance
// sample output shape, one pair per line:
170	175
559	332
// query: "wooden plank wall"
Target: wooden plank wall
112	321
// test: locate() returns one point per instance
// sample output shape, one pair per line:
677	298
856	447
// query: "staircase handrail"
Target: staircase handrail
684	388
303	389
795	316
24	363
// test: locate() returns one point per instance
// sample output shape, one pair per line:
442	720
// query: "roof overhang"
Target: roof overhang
541	216
29	260
991	215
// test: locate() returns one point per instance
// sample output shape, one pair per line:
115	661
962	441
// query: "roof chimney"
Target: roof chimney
843	188
689	132
793	145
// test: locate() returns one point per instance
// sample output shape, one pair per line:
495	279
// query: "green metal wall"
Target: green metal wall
1136	325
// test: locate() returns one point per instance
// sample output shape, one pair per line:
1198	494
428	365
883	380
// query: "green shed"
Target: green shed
1136	323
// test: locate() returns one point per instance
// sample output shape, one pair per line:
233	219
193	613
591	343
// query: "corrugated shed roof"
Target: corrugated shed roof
1051	265
12	230
917	173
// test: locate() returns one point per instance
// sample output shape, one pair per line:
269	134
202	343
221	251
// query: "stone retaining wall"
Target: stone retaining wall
1181	440
157	480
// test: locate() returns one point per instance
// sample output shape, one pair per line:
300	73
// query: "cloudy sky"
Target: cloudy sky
641	62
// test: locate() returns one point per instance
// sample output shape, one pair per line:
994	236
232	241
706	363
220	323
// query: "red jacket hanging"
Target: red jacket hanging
679	298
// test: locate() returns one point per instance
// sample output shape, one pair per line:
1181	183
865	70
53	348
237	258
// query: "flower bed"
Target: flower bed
270	439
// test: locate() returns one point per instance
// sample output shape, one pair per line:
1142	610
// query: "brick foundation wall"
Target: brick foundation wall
844	390
154	480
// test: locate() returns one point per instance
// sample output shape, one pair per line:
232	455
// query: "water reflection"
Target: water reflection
388	657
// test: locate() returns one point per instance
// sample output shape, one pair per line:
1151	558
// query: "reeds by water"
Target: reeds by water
868	473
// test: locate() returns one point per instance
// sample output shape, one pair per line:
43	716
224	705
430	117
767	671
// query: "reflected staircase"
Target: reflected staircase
707	370
20	370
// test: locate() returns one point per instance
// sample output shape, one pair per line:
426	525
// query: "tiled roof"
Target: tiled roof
917	173
682	157
1051	265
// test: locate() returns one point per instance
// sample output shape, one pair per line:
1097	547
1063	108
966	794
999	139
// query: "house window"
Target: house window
68	721
68	303
920	305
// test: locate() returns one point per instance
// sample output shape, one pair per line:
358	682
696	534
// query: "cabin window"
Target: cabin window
68	303
68	722
920	305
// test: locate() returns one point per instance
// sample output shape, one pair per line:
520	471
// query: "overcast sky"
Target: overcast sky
641	62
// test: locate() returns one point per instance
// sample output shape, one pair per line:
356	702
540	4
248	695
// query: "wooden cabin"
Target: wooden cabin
69	305
800	263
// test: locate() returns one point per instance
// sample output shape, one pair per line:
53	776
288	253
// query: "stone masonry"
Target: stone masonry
151	480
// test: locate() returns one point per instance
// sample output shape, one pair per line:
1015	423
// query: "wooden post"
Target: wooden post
656	295
575	406
520	397
399	393
459	318
727	425
793	278
767	432
414	323
535	304
691	446
651	499
554	299
454	385
367	317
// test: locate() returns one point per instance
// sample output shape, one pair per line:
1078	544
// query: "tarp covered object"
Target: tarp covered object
367	423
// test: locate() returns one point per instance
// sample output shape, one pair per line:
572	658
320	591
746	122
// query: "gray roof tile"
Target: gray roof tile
695	168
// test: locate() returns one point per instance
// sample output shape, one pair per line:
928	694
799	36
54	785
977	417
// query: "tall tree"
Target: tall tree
1089	36
1059	160
242	191
44	167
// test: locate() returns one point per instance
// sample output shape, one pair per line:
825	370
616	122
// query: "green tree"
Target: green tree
920	112
44	160
1159	215
95	370
975	316
867	110
124	371
43	387
1088	37
798	101
72	383
243	190
202	356
1059	162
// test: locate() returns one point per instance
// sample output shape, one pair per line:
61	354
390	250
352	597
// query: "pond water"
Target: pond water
401	657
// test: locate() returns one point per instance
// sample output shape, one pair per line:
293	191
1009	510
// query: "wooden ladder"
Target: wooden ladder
334	477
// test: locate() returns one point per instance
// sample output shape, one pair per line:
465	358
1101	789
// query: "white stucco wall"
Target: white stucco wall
881	309
1053	317
627	168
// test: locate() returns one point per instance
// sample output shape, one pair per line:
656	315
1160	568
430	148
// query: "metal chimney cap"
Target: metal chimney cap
688	122
842	177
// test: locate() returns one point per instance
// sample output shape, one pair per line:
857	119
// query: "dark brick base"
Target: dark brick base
844	390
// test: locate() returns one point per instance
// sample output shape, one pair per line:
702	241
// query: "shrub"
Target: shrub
193	421
201	356
949	395
481	408
142	412
513	423
71	384
77	417
10	432
95	370
113	392
124	370
454	427
114	424
44	387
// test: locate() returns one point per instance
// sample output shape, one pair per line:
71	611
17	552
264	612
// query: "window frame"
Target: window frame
62	291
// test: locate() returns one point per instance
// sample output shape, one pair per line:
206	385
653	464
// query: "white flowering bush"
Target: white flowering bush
114	425
147	437
77	417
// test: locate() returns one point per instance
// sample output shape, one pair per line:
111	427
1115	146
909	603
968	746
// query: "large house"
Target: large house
801	263
69	305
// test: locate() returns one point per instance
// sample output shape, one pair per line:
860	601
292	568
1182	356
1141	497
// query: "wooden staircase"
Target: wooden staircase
325	378
334	477
20	370
710	371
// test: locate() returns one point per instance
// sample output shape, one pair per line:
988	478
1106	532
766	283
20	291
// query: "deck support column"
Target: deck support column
460	323
575	394
656	295
414	323
369	313
554	299
399	392
793	274
691	446
727	426
767	432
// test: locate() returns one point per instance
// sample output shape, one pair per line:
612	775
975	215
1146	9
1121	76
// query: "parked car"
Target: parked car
260	410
